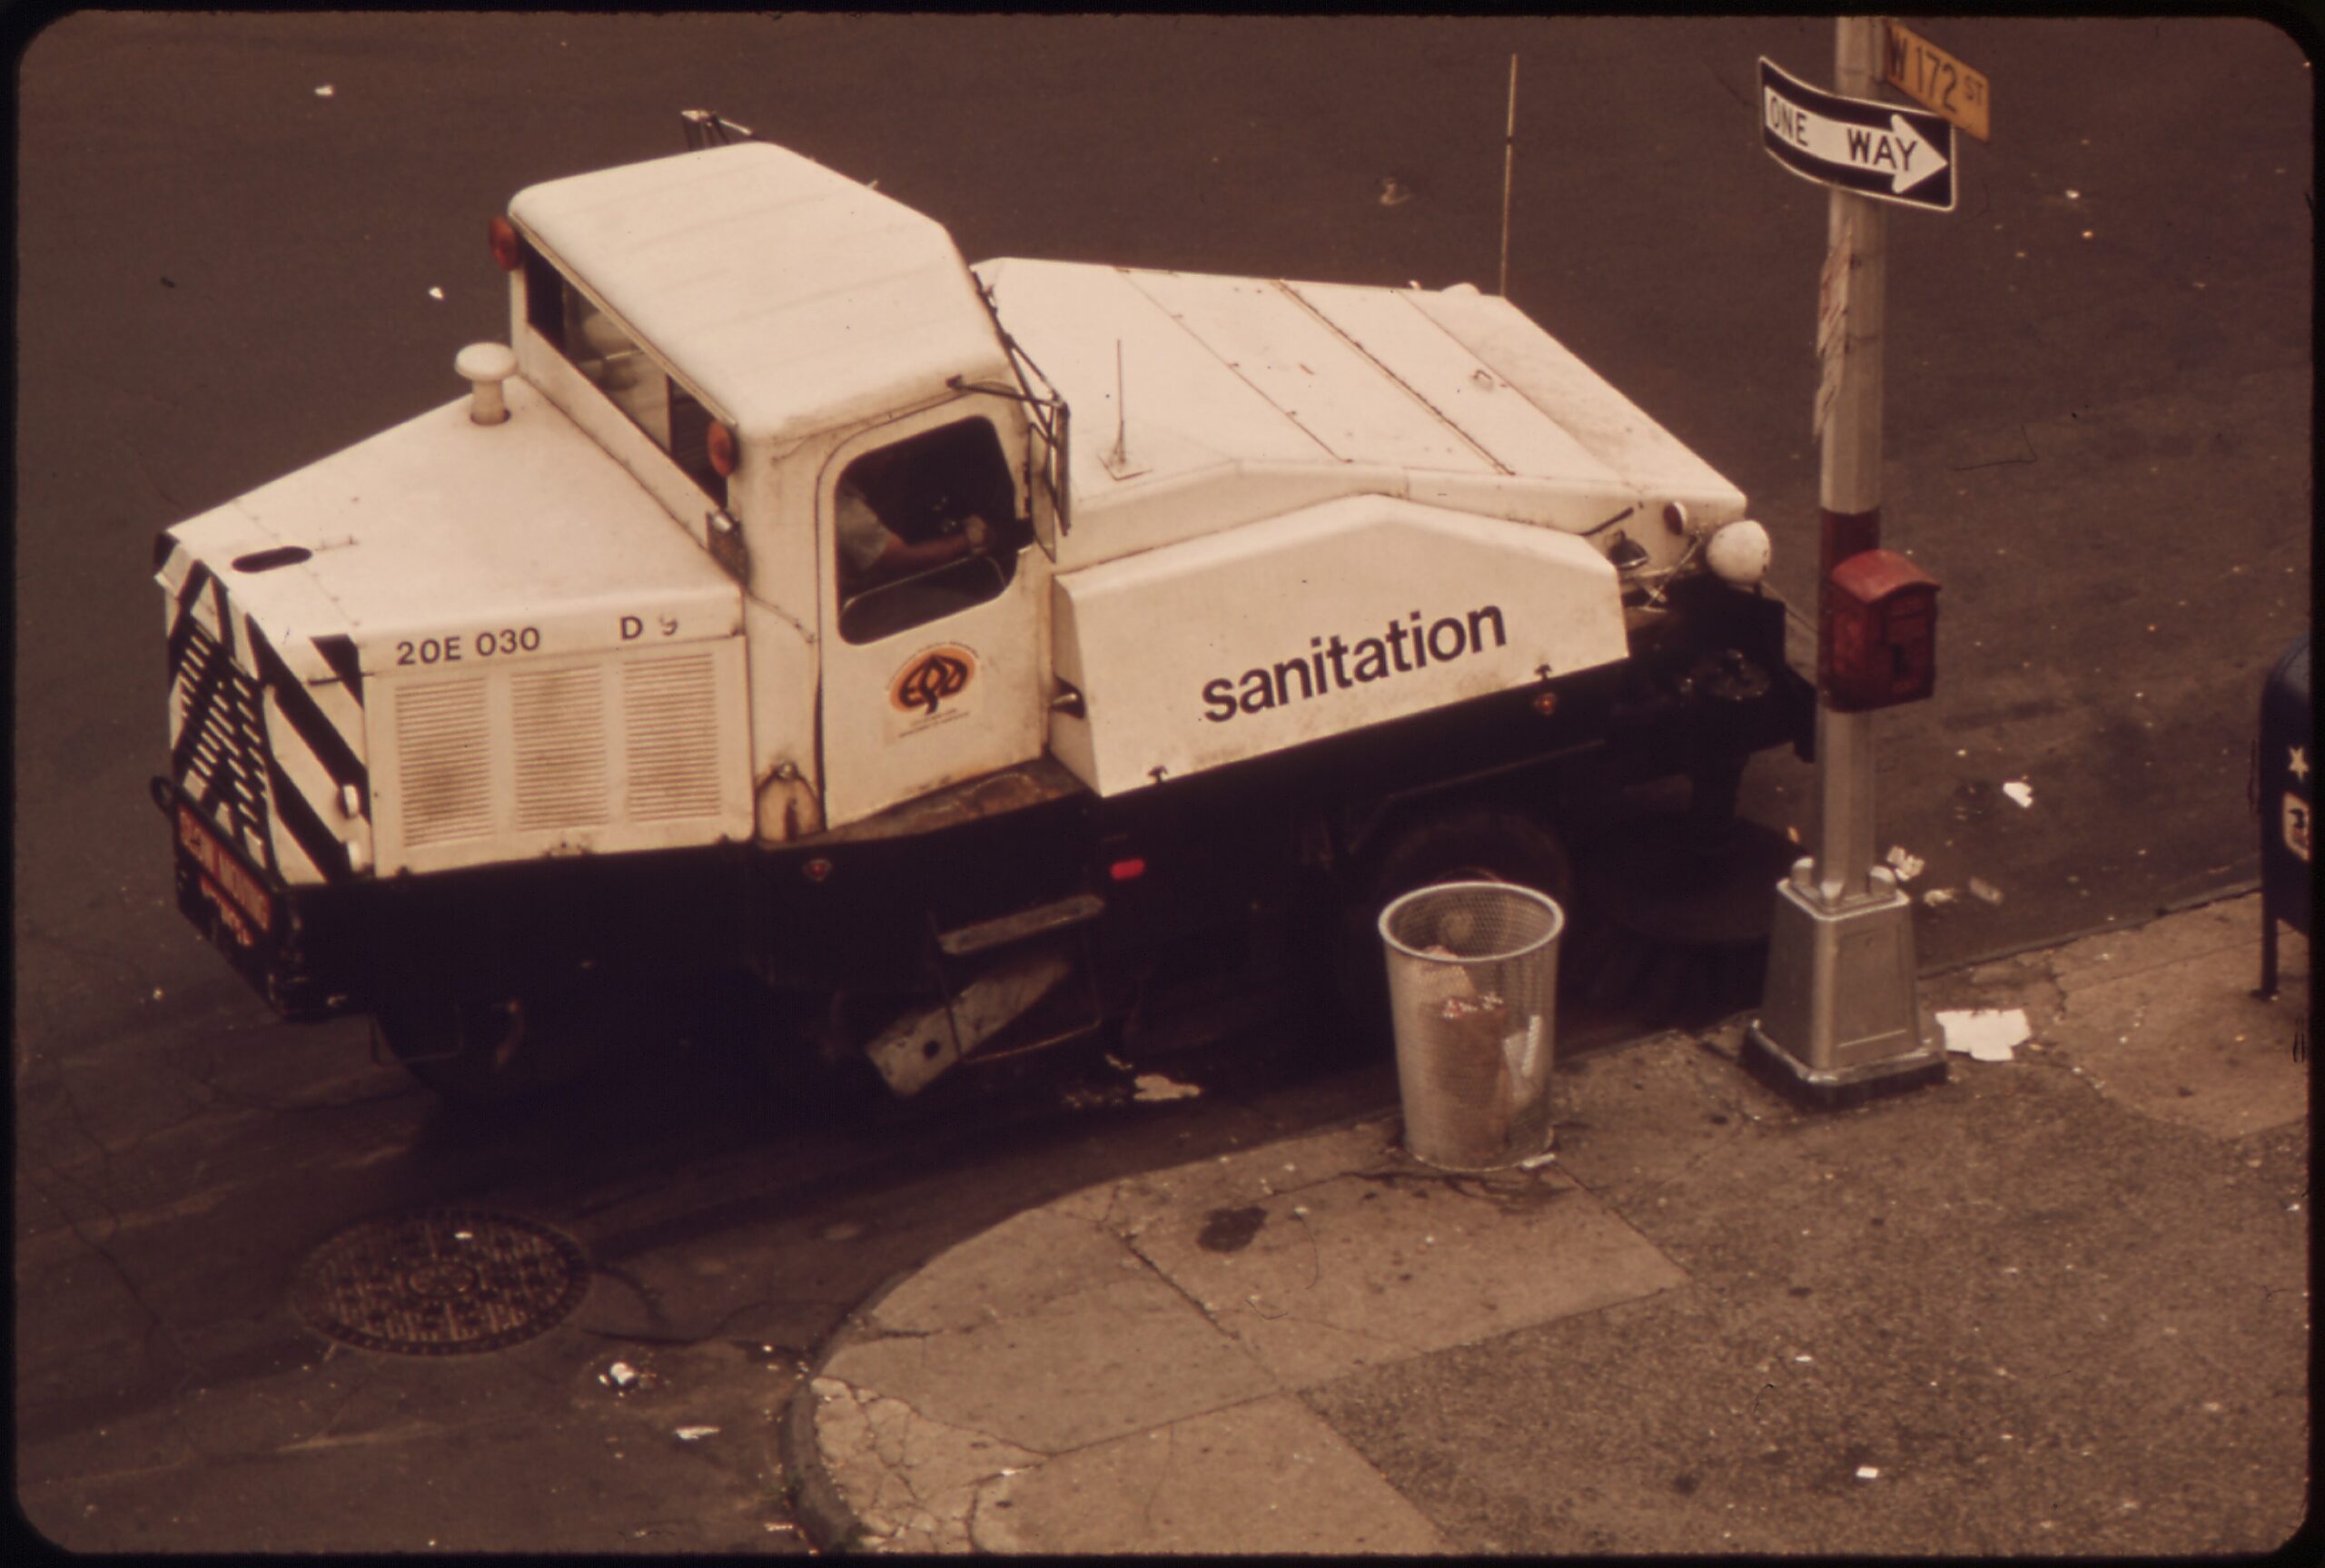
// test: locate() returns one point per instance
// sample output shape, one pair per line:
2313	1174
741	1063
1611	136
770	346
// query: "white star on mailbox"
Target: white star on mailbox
2300	764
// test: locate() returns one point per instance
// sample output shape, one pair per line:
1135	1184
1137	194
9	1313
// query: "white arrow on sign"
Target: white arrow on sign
1901	152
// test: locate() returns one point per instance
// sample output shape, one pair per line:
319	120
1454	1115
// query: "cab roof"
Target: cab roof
793	298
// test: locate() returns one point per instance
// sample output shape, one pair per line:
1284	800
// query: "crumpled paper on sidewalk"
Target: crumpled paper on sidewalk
1985	1033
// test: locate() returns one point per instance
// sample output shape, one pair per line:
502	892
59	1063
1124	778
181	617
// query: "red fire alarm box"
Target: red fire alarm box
1880	644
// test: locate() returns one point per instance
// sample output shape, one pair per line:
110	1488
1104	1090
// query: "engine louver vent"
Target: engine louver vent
671	715
570	756
447	773
560	720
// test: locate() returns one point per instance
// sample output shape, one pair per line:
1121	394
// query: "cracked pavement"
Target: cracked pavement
1041	1360
1713	1322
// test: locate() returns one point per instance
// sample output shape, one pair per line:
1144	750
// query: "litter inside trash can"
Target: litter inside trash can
1472	971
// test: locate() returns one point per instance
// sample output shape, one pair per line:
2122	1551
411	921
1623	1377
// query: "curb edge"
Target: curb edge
830	1525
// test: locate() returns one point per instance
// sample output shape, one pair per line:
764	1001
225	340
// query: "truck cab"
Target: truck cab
839	345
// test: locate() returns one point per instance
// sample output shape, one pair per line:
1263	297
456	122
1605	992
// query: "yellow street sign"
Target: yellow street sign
1928	74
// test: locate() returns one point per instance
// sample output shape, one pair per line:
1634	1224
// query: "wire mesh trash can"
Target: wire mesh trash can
1472	970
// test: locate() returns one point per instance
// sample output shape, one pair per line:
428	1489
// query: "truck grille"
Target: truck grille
219	757
560	742
670	710
605	755
447	763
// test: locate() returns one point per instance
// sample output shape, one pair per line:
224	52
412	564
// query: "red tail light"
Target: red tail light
718	441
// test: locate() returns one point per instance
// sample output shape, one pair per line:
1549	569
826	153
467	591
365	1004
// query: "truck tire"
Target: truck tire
810	1051
1466	843
470	1053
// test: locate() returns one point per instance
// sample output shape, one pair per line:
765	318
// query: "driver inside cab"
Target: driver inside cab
871	552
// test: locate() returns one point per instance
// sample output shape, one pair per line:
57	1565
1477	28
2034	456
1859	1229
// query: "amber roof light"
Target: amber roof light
504	242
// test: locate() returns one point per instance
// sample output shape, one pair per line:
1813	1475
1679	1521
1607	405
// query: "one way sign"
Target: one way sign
1870	148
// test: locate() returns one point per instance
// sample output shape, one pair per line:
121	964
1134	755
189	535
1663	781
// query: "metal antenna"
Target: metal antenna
1121	413
1119	462
1508	164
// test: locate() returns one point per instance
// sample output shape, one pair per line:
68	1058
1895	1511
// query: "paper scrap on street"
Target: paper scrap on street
1987	1034
1986	891
1939	895
695	1434
2020	791
1155	1086
1905	862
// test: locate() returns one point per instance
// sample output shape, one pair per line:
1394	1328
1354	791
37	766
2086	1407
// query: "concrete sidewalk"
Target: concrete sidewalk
2057	1305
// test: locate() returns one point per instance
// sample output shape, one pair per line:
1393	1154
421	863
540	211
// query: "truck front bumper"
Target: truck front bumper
248	915
1720	679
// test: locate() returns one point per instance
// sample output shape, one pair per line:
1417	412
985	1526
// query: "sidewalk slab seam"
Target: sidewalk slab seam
1267	1475
1370	1270
1318	1262
1055	1269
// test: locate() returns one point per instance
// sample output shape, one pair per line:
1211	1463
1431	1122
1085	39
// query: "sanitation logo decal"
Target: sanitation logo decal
929	688
1337	665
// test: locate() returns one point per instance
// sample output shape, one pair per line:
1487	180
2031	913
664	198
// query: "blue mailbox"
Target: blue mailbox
2284	768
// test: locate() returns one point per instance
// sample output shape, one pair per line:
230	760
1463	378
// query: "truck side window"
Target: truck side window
544	296
923	528
597	346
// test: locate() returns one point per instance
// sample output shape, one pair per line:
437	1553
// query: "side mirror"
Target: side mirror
1049	493
724	536
706	129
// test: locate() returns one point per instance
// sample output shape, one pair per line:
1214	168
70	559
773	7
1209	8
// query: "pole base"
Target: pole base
1839	1021
1774	1066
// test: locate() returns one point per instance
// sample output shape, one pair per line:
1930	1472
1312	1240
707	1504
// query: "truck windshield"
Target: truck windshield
597	346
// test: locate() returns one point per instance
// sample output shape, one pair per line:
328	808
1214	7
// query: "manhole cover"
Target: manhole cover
440	1282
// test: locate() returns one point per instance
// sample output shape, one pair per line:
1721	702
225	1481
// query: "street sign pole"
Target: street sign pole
1839	1008
1849	485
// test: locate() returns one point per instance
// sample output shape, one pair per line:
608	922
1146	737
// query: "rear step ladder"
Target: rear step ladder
1000	932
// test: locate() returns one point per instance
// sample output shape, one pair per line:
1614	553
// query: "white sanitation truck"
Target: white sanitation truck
760	618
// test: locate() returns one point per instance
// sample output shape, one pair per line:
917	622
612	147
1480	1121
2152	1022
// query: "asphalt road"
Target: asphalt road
244	242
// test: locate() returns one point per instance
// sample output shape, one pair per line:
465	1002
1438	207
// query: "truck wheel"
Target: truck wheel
1469	845
1476	845
845	1081
775	1038
469	1052
811	1051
